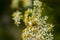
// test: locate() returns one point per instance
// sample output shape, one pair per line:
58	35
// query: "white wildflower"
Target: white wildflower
37	3
38	28
16	17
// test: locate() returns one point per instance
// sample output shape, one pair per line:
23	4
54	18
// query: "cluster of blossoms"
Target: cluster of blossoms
37	27
16	17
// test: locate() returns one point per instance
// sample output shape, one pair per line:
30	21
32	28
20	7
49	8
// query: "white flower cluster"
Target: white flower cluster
37	27
37	3
16	17
37	33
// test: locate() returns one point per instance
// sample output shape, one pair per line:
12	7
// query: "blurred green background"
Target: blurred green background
9	31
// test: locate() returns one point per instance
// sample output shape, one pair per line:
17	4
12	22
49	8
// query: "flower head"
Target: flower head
16	17
37	27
